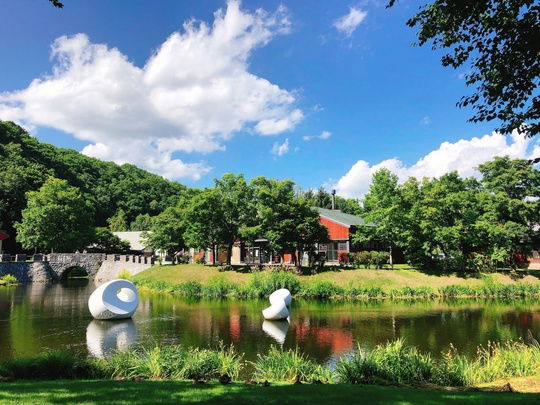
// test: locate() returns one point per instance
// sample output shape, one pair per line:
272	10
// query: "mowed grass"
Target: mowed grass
174	392
401	276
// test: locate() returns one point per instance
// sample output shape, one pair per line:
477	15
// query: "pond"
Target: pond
35	317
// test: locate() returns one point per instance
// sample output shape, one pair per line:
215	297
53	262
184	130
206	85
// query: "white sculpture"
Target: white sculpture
103	338
276	330
117	299
279	300
279	295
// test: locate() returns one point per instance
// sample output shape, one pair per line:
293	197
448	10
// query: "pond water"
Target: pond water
36	317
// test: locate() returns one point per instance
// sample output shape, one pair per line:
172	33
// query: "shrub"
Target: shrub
8	279
199	260
183	259
50	365
343	258
264	283
379	258
362	258
188	289
218	287
321	289
289	366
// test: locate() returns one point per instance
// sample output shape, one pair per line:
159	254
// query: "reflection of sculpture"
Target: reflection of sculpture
103	337
276	329
279	300
117	299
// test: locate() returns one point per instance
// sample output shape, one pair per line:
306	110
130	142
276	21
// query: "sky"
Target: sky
320	92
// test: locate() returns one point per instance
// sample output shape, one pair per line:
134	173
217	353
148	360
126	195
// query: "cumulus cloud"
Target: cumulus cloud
192	94
324	135
348	23
280	149
425	120
462	156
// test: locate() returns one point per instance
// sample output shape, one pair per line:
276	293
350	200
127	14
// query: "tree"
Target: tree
499	41
204	222
287	222
383	208
118	222
57	218
511	208
142	222
234	195
107	242
167	231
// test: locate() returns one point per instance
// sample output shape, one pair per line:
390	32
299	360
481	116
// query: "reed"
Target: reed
392	362
289	366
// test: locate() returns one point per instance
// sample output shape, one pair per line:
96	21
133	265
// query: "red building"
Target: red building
341	227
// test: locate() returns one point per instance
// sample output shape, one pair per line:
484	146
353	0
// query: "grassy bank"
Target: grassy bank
390	363
174	392
203	281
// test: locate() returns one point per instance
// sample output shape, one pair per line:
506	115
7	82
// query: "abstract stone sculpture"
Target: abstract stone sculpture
279	300
281	295
117	299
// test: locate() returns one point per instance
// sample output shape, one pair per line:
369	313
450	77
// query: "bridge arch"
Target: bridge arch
63	263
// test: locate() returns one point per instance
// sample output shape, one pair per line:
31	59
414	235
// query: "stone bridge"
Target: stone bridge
57	266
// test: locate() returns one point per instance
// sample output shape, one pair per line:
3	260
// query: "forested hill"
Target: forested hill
25	164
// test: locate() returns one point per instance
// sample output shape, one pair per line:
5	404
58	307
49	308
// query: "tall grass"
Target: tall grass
51	365
262	284
289	366
173	362
392	362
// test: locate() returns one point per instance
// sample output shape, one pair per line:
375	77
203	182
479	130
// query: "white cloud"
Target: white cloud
462	156
192	94
348	23
280	149
324	135
425	120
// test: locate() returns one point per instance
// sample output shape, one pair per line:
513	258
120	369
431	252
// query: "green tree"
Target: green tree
205	222
498	42
57	218
167	231
105	241
142	222
118	222
287	222
383	209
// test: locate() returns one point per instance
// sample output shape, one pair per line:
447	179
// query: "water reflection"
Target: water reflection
277	330
104	337
37	317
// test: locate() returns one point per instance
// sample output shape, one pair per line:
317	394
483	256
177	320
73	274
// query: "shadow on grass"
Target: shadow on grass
171	392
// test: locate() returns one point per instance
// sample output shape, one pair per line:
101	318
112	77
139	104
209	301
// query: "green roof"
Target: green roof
340	217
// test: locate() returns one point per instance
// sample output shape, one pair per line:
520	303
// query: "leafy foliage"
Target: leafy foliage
25	164
105	241
499	42
57	217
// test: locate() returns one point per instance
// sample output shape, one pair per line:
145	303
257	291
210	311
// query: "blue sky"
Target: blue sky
249	93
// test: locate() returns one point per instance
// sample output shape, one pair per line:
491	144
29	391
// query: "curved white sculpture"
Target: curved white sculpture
279	300
117	299
279	295
103	338
276	330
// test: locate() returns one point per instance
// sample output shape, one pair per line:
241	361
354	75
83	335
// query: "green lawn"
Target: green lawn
402	276
172	392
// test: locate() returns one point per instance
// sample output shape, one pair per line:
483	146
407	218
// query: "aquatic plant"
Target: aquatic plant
391	362
8	279
289	366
